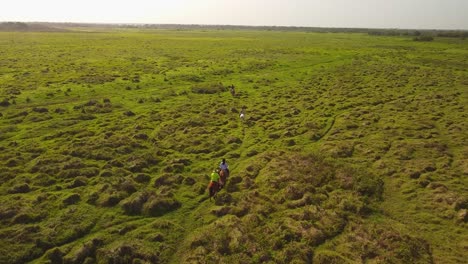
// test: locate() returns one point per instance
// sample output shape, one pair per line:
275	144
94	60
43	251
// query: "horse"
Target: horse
223	174
213	188
232	90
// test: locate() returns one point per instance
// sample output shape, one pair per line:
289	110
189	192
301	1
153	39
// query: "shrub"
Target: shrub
290	142
223	198
232	140
328	257
22	188
40	110
112	199
251	153
85	116
211	88
13	162
461	203
106	173
126	253
141	136
462	216
174	167
59	111
168	179
423	38
157	206
82	254
127	186
189	181
4	102
129	113
25	218
78	182
72	199
55	255
221	111
370	186
343	150
134	204
72	173
92	198
142	178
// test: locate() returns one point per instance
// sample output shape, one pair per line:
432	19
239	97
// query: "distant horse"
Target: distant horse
232	90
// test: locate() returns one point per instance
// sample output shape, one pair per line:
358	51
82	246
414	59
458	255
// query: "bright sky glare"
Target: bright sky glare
415	14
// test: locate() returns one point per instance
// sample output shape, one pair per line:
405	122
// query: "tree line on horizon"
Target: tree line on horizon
418	34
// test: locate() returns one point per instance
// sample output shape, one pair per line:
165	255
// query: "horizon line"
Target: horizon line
232	25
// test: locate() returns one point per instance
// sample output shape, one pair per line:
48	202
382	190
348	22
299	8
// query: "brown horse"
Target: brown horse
223	175
222	178
213	188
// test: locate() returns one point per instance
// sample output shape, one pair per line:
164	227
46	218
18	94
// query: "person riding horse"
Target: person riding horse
218	178
213	187
224	167
232	90
242	114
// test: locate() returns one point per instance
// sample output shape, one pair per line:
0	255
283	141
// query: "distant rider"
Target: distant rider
232	90
242	114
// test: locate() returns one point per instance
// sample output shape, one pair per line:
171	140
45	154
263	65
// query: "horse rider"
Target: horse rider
225	167
214	182
232	90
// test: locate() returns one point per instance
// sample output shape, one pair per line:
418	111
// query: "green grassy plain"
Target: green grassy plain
353	149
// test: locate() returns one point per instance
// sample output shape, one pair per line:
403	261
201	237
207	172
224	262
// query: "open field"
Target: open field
353	149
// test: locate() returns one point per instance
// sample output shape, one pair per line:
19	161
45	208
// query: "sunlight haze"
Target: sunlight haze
428	14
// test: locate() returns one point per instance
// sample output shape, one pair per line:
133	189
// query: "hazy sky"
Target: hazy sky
438	14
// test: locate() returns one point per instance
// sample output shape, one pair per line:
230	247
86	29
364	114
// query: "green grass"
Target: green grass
352	150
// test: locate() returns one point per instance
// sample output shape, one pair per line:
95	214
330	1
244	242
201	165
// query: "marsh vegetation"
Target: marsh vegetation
353	148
